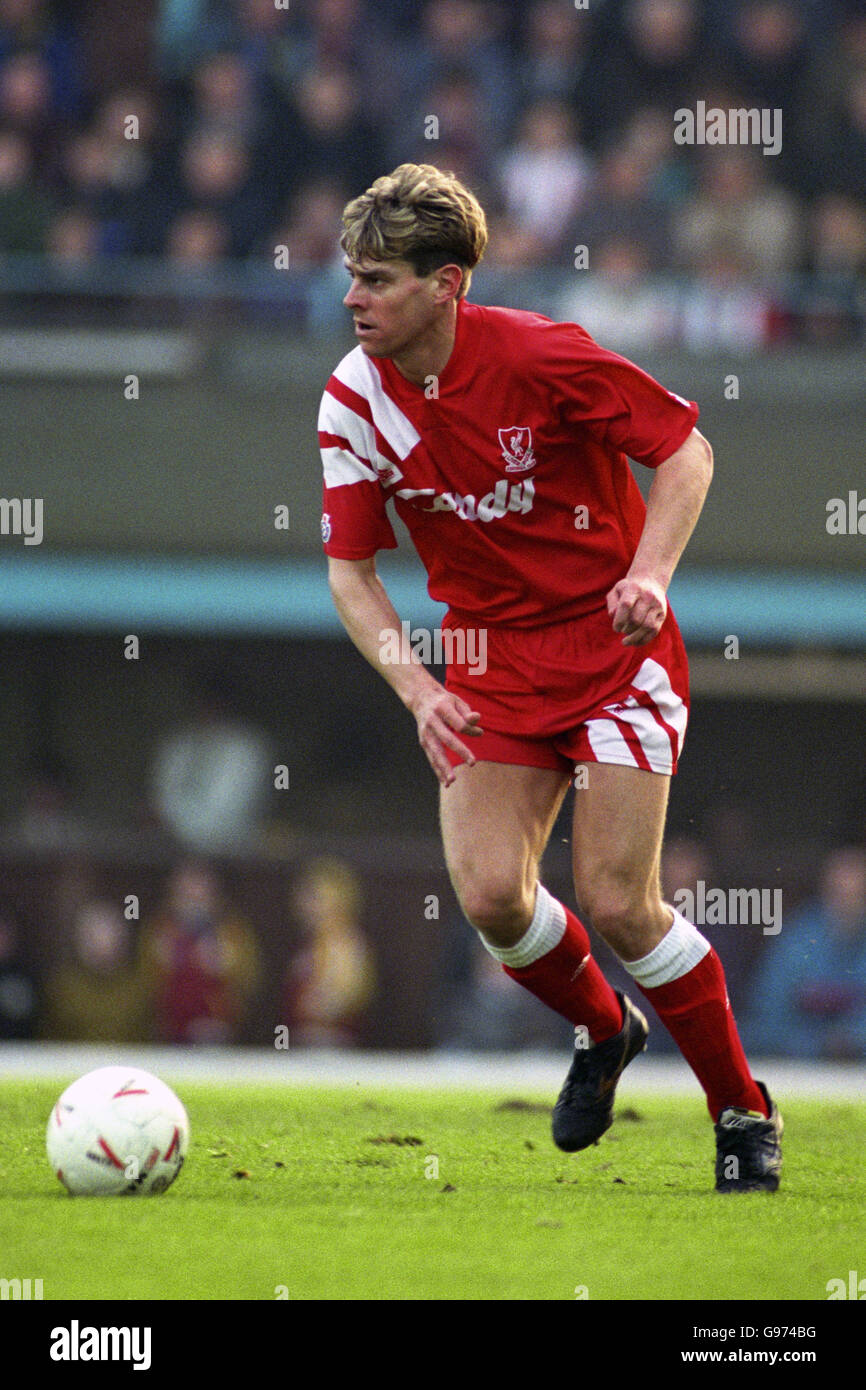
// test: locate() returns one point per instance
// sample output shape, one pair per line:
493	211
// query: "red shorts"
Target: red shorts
571	693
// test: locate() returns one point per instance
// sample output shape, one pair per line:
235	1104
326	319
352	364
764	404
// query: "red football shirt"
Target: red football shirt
513	481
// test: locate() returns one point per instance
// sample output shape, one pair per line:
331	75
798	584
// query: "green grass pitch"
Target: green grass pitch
365	1193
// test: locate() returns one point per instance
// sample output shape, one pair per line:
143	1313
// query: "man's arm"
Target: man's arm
370	619
638	604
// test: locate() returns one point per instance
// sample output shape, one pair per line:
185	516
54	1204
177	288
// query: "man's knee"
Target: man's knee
499	906
629	916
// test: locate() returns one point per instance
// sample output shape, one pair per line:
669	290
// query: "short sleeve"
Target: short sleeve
355	523
622	406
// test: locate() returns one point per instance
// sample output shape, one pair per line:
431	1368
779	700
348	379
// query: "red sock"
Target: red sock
697	1014
568	980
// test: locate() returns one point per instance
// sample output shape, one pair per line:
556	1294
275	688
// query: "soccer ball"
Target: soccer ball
117	1130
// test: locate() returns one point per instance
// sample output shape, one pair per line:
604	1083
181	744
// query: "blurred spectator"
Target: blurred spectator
39	27
331	978
26	102
242	106
210	778
25	211
737	206
202	961
838	59
216	175
771	57
838	236
511	246
331	134
259	25
648	52
621	205
337	26
617	303
555	53
544	176
100	994
19	1000
462	137
197	239
324	33
460	34
311	229
684	864
649	139
769	51
736	840
809	998
113	50
85	173
723	307
224	99
187	29
827	303
845	171
102	172
74	238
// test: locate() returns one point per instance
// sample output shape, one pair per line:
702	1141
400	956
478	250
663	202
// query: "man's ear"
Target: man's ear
449	279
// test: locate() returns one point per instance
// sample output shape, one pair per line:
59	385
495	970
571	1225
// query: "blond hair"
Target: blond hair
418	214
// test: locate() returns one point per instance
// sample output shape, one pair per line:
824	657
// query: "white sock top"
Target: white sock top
545	931
676	954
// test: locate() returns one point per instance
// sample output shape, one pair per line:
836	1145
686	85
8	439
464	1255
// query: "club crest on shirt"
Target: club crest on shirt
516	444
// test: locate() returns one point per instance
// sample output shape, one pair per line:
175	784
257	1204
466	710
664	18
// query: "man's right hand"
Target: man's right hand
440	717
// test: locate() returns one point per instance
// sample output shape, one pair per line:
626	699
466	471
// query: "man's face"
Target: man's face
391	306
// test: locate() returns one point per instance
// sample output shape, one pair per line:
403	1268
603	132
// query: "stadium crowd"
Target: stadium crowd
195	969
213	131
217	948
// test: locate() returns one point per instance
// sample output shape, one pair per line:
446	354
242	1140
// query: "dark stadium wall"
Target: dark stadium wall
352	750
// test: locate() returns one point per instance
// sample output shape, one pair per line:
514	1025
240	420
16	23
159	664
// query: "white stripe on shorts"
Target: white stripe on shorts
607	740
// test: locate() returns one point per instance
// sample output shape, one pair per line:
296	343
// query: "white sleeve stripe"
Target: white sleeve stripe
337	419
343	467
356	372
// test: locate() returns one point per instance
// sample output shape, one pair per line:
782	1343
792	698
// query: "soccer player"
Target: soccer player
501	437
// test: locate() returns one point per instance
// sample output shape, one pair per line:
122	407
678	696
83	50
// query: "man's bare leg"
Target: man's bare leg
619	820
496	820
618	827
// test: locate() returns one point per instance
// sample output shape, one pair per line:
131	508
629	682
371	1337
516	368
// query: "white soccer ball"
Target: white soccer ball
117	1130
